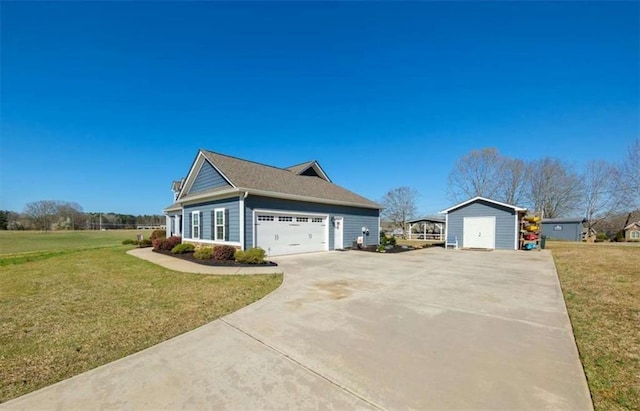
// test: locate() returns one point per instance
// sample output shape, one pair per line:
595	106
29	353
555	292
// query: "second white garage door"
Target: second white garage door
479	232
281	233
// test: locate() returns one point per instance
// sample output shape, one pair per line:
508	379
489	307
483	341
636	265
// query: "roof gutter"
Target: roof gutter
295	197
206	195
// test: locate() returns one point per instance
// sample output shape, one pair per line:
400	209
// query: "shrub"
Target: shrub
157	243
251	256
129	241
183	248
619	236
203	253
223	252
160	234
144	243
384	240
169	243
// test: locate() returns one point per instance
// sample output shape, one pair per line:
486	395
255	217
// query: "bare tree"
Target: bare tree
399	206
476	174
42	213
553	189
629	176
72	213
512	181
600	199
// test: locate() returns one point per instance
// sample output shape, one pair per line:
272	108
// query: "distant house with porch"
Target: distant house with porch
632	232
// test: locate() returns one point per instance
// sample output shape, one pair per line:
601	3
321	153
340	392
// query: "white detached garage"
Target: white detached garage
483	223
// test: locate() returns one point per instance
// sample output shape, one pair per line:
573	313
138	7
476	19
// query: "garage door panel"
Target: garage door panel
479	232
282	233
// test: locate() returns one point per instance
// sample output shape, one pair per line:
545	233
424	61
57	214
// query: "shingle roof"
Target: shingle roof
255	176
429	219
479	198
299	168
568	220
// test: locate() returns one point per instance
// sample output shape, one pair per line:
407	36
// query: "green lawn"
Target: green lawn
70	312
16	242
601	287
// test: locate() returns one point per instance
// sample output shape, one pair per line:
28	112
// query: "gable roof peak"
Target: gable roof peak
480	198
303	168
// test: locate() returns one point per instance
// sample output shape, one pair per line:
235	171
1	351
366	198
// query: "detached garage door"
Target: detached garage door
479	232
280	233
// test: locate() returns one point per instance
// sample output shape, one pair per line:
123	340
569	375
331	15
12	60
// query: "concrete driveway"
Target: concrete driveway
429	329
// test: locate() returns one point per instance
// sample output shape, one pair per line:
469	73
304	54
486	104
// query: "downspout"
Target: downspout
242	212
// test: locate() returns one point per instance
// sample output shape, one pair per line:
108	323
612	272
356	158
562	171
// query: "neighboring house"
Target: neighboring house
632	232
484	223
227	200
570	229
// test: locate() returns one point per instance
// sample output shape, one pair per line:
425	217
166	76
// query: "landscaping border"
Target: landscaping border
213	263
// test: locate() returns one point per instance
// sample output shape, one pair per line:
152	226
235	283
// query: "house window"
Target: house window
195	224
302	219
285	218
317	219
219	224
634	235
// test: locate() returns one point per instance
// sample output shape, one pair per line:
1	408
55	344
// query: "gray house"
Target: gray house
483	223
571	229
227	200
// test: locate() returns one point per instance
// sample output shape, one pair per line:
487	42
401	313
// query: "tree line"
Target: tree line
45	215
601	192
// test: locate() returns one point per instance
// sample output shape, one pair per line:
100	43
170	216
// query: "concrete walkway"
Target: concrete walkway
184	266
429	329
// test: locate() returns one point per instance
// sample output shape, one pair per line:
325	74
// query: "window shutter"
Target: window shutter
200	224
187	228
226	224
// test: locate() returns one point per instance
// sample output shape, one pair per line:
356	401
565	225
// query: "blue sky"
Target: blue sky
105	103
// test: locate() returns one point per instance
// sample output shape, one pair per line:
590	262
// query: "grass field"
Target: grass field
16	242
92	303
601	287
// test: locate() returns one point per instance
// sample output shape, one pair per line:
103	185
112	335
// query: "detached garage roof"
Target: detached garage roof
478	198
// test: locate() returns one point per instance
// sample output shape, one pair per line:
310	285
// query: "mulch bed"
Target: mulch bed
392	250
212	262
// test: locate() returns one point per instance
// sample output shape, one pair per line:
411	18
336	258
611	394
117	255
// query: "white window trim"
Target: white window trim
216	225
196	212
634	235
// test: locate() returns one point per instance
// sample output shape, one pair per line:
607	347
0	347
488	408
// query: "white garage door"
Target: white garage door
479	232
281	233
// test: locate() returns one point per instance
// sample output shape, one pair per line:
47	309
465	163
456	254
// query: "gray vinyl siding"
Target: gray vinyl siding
354	218
506	231
208	178
568	231
231	206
